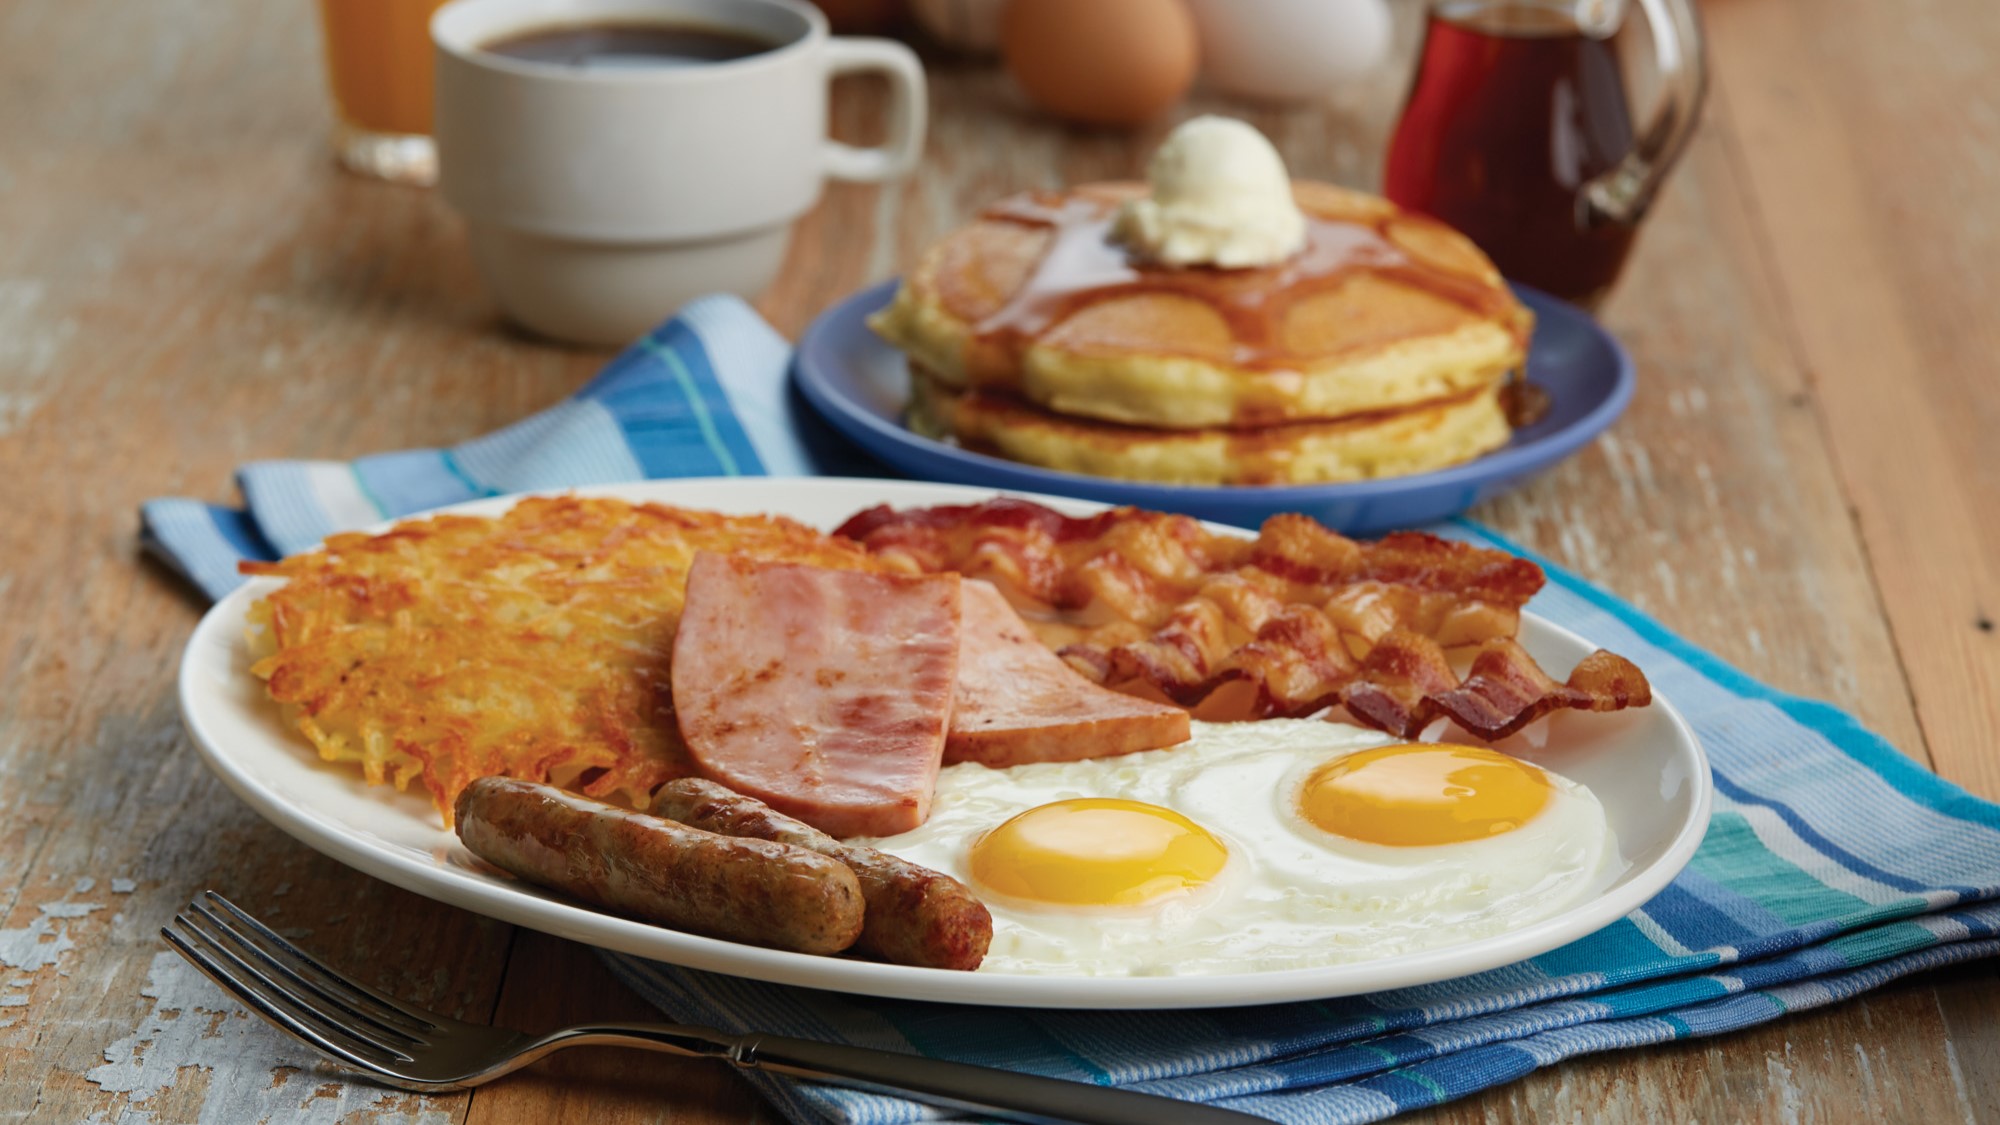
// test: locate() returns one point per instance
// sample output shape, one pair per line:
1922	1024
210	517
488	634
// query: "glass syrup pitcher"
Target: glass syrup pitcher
1518	131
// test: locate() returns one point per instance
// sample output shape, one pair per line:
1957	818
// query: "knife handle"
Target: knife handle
979	1089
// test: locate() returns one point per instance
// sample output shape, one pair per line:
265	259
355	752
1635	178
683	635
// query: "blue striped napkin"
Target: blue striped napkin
658	410
1832	866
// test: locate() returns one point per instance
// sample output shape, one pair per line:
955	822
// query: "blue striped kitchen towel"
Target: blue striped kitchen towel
1833	863
658	410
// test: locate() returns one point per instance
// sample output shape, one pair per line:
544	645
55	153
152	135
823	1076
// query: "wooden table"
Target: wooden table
1806	484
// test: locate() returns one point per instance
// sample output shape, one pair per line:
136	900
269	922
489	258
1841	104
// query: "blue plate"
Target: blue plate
859	383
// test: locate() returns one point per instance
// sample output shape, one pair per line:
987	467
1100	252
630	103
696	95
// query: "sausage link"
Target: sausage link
756	891
915	916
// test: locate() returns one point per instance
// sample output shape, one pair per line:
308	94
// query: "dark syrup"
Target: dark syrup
1514	108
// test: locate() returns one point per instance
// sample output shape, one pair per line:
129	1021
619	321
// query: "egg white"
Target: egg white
1291	895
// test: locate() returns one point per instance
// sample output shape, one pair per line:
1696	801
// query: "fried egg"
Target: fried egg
1279	844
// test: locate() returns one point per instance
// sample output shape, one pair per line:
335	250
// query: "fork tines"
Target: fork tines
274	978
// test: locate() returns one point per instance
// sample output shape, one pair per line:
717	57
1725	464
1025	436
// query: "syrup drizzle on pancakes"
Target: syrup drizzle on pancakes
1083	266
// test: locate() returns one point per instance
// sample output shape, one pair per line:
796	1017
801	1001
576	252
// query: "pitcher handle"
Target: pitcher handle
1623	194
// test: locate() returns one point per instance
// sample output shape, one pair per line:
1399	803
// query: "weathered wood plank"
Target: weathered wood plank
1866	149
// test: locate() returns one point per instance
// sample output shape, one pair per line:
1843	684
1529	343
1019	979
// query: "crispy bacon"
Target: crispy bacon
1399	684
1296	621
1506	690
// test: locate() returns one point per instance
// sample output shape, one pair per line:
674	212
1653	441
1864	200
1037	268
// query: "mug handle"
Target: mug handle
1623	194
907	109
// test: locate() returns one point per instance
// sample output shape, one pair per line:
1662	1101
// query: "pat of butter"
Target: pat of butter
1221	197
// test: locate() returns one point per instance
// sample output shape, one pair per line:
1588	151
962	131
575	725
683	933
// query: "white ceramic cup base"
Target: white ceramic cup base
599	200
612	293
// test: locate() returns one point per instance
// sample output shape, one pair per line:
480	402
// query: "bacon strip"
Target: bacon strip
1506	690
1293	622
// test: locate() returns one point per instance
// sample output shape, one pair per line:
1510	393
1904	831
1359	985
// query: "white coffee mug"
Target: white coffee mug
598	200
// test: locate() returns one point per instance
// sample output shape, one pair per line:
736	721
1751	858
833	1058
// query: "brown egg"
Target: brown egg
1102	62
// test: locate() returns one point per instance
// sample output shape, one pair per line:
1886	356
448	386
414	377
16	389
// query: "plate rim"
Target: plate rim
854	420
511	902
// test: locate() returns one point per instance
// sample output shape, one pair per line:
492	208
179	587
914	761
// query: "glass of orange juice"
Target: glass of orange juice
378	65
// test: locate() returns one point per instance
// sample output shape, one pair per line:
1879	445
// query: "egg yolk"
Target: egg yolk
1421	794
1097	851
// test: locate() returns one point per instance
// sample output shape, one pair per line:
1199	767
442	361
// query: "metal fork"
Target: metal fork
413	1049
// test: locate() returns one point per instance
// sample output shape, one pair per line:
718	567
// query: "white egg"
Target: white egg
1288	50
1290	894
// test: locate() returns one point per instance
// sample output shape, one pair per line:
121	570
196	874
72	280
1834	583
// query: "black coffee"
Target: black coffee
627	46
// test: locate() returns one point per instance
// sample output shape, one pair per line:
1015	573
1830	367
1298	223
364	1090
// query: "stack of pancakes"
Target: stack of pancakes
1386	347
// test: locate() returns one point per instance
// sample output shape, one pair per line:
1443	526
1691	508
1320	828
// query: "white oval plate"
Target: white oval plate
1644	765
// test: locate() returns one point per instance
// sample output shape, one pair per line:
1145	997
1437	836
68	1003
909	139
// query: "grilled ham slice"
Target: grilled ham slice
824	693
1018	702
